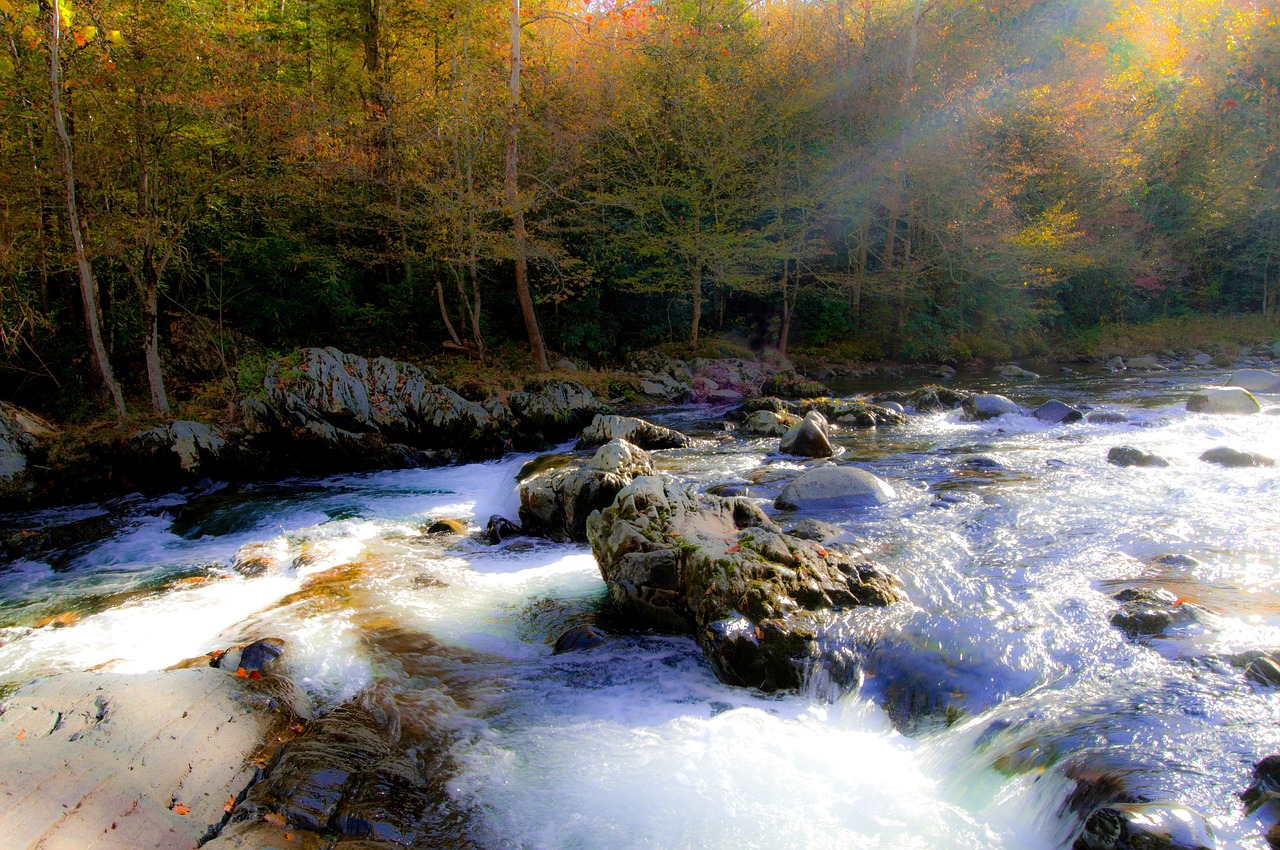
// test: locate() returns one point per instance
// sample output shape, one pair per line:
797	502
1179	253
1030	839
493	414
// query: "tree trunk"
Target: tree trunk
151	323
523	295
697	304
788	302
444	311
88	284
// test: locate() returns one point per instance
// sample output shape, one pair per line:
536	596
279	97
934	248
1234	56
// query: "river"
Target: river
969	717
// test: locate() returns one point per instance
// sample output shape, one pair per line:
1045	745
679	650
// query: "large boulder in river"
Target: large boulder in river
1131	456
829	488
110	761
192	448
1146	826
1255	380
810	437
1227	456
720	569
644	434
556	504
978	408
1223	400
926	399
21	434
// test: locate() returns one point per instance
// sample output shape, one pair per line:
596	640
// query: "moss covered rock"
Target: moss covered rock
720	569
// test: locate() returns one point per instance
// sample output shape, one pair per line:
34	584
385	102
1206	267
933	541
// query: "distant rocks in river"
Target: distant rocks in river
793	385
769	423
1018	373
1255	380
853	412
1154	612
1131	456
829	488
1223	400
926	399
720	569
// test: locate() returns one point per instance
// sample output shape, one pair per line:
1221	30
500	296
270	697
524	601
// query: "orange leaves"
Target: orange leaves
274	818
22	734
180	809
230	804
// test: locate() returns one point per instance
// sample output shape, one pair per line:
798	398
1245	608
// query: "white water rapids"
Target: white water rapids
1009	564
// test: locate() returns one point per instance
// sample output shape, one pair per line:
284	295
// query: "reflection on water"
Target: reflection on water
993	710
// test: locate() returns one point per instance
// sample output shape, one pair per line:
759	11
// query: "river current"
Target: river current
965	718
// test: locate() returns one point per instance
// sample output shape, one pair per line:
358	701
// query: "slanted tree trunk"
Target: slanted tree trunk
523	295
88	284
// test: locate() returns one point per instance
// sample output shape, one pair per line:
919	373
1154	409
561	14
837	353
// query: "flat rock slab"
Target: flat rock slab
102	760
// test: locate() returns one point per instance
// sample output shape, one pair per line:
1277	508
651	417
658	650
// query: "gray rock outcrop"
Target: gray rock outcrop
1057	412
556	504
1223	400
984	406
638	432
1255	380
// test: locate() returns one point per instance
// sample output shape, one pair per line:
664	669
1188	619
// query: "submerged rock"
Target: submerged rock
720	569
1223	400
1105	417
835	488
1154	612
638	432
499	528
1146	826
978	408
556	504
1225	456
579	638
1130	456
811	437
1017	372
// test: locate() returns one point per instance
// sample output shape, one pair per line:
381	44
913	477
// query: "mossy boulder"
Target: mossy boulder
556	504
719	569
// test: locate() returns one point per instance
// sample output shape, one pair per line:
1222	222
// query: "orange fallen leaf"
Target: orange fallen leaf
217	653
22	734
734	548
240	672
274	818
288	836
821	551
231	804
297	727
179	809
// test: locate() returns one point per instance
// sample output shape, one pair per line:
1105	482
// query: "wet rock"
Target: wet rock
721	570
254	657
769	423
981	464
1225	456
1057	412
793	385
193	447
1105	417
579	638
814	529
735	489
1130	456
1116	364
638	432
1223	400
1264	787
20	433
499	528
1255	380
835	488
448	525
978	408
261	559
1017	372
1263	671
943	371
105	759
895	407
926	399
857	412
1145	613
557	504
1199	358
811	437
1146	826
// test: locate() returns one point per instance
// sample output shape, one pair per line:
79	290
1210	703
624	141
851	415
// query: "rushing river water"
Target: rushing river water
968	717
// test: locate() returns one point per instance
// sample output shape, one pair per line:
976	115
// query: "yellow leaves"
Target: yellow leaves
30	37
6	8
115	38
65	16
89	32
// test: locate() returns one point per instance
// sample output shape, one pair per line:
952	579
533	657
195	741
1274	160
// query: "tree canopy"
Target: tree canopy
910	178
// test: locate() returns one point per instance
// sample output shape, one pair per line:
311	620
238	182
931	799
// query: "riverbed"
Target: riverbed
971	716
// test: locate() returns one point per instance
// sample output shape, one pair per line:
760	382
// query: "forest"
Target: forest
916	179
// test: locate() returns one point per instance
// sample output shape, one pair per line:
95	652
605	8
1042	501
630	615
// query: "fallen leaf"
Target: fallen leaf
288	836
22	733
254	674
240	672
297	727
217	653
179	809
734	548
274	818
231	804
